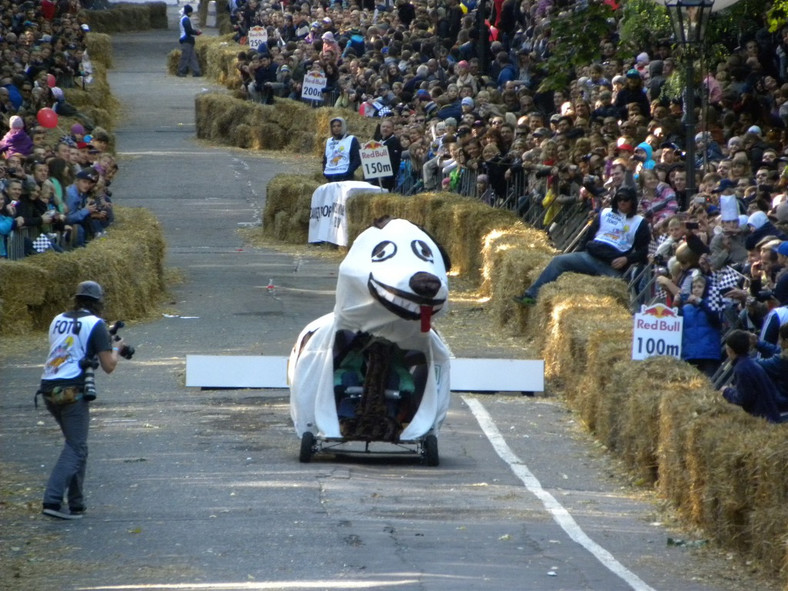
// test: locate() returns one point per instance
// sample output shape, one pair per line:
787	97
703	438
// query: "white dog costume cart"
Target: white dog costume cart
374	370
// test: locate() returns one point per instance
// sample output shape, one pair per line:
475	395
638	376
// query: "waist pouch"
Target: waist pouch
63	395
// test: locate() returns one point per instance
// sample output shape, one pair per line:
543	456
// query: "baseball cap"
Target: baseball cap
783	248
781	213
724	184
90	289
633	73
467	102
754	129
89	174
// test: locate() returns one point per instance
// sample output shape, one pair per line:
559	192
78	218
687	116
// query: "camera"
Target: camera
126	351
89	390
691	225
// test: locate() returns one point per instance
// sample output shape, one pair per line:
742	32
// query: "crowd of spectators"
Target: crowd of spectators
53	186
470	109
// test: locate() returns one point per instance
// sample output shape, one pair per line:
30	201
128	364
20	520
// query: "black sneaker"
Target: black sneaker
77	511
58	514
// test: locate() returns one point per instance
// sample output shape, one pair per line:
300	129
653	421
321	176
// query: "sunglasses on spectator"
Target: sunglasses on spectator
420	120
496	122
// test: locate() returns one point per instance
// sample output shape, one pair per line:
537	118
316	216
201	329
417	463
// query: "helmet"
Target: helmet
90	289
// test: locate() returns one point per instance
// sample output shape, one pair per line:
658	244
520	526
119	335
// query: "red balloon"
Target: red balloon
47	118
51	80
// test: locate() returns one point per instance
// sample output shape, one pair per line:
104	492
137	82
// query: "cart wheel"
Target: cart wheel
307	445
431	450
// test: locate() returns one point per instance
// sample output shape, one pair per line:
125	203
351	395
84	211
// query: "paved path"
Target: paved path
196	489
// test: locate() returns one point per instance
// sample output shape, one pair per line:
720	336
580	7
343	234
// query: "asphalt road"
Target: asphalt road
202	489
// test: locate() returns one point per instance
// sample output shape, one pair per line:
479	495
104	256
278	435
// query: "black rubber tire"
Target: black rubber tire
431	457
307	445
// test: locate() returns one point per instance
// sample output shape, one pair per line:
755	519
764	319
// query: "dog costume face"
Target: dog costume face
392	281
390	284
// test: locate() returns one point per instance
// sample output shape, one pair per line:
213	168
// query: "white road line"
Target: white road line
560	515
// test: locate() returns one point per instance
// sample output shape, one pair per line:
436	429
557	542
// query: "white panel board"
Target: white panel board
236	371
467	375
497	375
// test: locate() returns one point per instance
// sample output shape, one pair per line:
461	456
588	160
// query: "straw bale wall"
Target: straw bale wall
288	125
722	469
124	17
128	263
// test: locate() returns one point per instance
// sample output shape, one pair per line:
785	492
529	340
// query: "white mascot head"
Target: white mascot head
392	281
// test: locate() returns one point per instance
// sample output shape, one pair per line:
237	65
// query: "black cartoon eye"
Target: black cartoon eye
422	250
384	251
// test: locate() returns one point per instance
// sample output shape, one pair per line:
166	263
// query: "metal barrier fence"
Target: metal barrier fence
329	99
15	244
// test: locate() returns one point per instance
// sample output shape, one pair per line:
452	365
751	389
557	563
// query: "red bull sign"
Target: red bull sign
657	331
375	160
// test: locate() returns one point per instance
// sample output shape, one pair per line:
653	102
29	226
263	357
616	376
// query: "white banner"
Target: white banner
657	331
257	36
375	161
327	219
312	88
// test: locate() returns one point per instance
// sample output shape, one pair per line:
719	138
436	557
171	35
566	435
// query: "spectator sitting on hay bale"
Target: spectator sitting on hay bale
752	389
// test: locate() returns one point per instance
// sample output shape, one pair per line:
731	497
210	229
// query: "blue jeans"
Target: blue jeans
574	262
68	475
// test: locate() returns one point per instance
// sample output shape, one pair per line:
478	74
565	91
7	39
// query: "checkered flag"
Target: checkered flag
42	243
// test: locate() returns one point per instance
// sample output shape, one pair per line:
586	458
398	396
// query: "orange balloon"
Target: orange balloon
47	118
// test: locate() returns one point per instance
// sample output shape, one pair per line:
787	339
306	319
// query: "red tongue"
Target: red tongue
426	313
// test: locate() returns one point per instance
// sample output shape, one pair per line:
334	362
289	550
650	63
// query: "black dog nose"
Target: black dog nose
425	284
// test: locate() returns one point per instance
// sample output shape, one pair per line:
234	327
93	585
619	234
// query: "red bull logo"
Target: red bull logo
659	311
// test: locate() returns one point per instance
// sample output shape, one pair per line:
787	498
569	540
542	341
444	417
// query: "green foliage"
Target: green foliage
644	23
742	19
778	15
578	34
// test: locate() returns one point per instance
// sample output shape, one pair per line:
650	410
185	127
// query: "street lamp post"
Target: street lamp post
689	19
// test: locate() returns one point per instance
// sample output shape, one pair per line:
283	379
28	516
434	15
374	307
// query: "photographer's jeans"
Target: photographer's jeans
574	262
68	475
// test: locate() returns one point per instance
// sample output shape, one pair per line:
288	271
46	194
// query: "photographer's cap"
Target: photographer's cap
90	289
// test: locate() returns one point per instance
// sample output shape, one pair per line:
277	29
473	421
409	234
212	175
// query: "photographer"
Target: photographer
77	339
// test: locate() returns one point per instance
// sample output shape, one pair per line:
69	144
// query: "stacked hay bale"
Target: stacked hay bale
287	125
128	263
125	17
287	207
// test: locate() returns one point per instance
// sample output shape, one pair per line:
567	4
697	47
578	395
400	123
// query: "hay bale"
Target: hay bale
123	17
242	136
769	517
723	456
574	290
638	414
128	264
158	15
679	409
99	48
173	59
516	236
287	206
21	285
590	391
